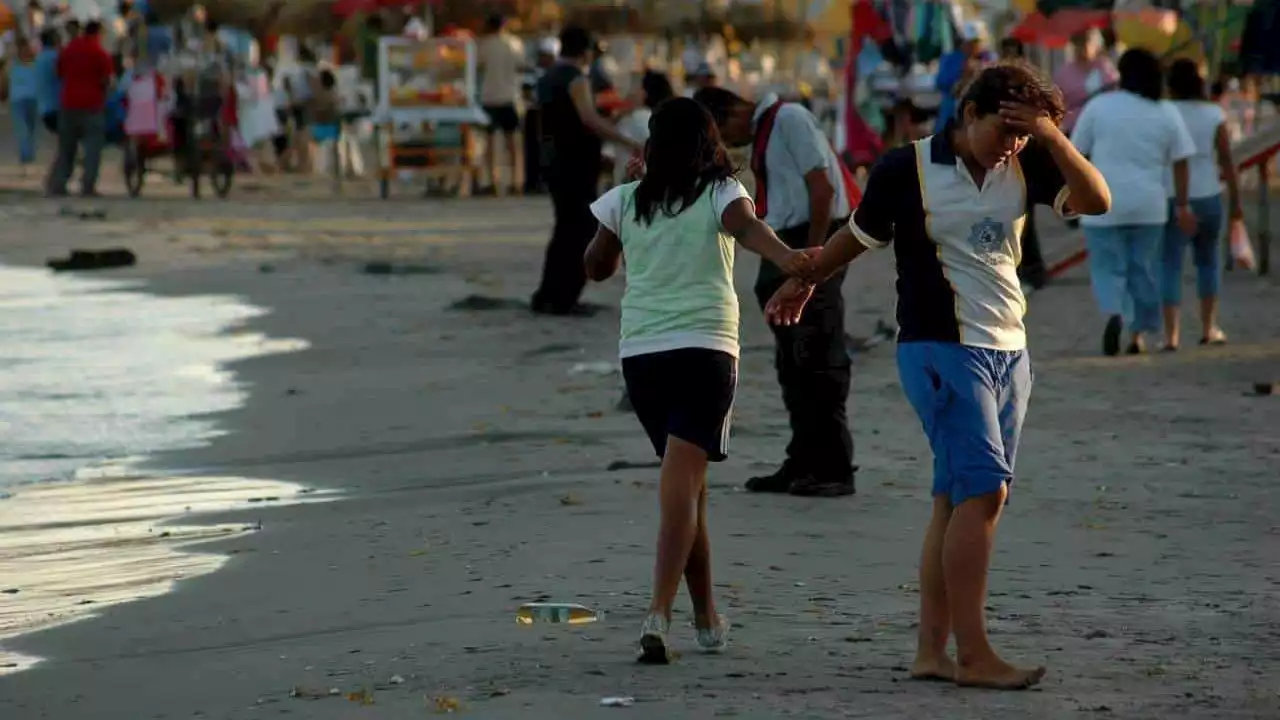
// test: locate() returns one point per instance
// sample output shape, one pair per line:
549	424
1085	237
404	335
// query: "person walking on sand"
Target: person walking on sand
1133	137
1208	169
804	193
572	132
48	86
675	229
24	104
502	62
85	70
952	205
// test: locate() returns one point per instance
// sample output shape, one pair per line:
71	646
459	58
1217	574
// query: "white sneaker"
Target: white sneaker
715	639
653	641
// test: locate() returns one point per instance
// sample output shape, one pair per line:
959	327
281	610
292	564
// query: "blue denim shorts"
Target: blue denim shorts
971	402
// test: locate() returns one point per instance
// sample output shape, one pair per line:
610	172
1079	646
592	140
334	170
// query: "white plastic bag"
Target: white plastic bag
1241	247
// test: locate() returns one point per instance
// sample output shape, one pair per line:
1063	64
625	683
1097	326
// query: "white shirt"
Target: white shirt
1133	142
1202	118
797	146
501	56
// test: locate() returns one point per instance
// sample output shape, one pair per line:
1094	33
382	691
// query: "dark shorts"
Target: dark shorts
50	120
685	393
503	117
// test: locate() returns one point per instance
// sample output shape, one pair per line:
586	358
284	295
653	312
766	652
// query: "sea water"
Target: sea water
96	375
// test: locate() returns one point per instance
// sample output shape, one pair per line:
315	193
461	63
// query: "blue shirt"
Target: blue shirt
22	81
48	87
950	68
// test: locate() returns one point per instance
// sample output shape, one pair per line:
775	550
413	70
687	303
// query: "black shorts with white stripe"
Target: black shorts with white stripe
686	393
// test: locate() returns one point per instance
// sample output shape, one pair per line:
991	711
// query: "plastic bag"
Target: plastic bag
1241	247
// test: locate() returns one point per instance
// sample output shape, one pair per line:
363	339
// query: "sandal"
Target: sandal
1216	338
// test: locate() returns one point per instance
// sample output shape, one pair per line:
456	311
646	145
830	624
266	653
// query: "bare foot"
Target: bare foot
939	668
998	675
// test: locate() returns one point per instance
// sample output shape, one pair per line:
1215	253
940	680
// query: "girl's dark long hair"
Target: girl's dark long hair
683	157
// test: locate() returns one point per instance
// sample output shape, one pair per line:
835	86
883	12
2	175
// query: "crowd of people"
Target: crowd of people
956	206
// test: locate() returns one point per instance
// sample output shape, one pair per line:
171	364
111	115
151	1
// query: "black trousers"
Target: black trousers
564	275
814	370
533	180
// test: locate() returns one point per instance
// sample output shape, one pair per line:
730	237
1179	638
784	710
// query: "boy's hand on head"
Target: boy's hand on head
787	304
1028	120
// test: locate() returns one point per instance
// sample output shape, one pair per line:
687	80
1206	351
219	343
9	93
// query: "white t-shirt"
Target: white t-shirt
608	209
1133	142
501	56
1202	118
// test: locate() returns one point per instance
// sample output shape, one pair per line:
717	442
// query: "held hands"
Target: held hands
802	264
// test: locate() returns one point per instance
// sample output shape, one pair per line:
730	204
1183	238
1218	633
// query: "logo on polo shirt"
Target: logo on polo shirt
988	239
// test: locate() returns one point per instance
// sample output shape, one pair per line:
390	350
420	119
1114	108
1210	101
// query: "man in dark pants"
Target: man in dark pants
803	193
85	70
572	132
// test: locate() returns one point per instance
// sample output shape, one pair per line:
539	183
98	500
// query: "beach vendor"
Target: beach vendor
952	205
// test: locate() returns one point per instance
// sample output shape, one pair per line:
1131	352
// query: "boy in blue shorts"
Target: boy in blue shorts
954	206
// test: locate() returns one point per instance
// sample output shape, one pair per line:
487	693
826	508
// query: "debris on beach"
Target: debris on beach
1266	389
91	214
313	693
94	260
396	680
617	701
446	704
603	368
361	696
570	500
485	302
390	268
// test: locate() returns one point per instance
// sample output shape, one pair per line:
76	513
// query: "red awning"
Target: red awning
1055	31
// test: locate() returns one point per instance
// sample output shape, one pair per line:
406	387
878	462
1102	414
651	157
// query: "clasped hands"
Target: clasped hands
804	273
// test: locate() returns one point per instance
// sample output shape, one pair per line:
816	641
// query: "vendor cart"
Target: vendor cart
426	110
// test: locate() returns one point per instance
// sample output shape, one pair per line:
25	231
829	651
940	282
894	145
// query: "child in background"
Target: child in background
679	338
326	122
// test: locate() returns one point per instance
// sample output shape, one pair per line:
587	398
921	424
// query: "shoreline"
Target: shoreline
477	469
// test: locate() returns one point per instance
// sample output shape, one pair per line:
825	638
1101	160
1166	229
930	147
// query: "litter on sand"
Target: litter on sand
617	702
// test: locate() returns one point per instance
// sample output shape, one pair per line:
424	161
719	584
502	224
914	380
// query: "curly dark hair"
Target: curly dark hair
1013	81
1185	81
683	157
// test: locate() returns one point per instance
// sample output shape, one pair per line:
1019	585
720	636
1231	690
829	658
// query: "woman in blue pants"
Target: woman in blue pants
1206	123
23	86
1133	138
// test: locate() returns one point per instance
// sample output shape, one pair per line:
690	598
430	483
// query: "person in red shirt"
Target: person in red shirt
86	70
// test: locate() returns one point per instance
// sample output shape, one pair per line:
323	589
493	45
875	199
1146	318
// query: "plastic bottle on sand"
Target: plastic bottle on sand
547	612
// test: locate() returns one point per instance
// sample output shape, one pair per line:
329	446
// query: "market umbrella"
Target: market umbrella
1055	31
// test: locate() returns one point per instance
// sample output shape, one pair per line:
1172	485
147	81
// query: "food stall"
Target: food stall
426	109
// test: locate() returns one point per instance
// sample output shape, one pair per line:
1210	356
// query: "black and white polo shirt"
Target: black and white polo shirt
957	245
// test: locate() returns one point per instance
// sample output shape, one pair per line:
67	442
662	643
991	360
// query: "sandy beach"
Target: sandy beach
476	455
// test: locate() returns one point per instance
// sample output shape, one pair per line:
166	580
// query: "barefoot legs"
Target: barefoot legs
966	557
932	661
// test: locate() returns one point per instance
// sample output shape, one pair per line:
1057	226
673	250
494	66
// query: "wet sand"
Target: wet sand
1137	559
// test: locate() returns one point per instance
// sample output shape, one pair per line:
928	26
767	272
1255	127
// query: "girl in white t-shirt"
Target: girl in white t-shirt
679	346
1206	169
